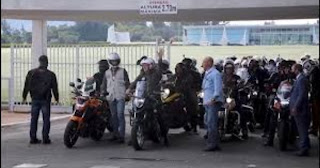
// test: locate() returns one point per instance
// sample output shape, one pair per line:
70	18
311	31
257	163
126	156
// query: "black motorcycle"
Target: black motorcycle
286	126
144	117
174	107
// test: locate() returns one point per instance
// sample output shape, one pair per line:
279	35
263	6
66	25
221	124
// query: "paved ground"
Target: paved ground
9	118
185	152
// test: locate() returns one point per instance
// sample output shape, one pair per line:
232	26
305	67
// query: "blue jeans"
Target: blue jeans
36	106
211	121
303	123
118	119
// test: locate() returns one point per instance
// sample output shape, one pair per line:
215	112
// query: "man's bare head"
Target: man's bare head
207	63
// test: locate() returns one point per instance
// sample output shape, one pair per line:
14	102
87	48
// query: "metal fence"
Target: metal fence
69	62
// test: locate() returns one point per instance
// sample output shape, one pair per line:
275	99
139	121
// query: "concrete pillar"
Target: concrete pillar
39	41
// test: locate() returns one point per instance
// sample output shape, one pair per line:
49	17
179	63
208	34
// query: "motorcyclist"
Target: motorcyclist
230	88
258	77
152	75
181	81
271	67
311	69
103	67
284	73
195	81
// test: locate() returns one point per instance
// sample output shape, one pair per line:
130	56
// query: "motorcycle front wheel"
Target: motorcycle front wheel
71	134
137	136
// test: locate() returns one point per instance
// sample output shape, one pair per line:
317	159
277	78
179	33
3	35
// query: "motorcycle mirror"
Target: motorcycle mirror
72	84
79	80
79	86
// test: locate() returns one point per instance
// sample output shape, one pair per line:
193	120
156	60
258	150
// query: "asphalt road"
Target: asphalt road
185	151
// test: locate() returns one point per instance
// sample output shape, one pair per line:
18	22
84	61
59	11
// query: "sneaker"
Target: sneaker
35	141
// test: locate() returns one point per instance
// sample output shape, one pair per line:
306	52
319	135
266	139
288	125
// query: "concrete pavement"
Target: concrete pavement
185	152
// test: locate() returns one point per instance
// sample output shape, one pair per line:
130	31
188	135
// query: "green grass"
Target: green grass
197	52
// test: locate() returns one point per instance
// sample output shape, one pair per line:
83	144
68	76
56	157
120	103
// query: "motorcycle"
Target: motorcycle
173	107
229	119
258	100
91	114
286	126
245	93
144	117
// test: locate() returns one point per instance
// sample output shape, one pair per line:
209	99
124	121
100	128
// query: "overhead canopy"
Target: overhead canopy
188	10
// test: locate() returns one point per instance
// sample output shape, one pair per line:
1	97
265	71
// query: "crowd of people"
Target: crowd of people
219	78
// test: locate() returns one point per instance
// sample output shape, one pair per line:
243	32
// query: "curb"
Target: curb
27	122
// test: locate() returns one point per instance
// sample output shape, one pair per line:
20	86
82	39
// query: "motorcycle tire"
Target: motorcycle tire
71	134
109	126
283	135
137	136
156	137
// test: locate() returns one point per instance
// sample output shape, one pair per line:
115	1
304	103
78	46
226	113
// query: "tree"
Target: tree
92	31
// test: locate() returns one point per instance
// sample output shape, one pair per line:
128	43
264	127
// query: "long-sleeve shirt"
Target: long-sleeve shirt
212	86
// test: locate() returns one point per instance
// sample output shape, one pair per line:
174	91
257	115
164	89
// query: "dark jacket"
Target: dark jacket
98	77
40	82
315	83
299	96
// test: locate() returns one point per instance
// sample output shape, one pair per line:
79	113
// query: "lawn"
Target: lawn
177	52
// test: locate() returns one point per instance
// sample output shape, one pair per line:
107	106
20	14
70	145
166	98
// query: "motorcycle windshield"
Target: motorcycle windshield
140	89
88	87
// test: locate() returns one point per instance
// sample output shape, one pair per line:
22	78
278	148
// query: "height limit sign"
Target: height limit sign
158	7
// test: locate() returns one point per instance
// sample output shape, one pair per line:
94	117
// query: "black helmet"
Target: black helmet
187	62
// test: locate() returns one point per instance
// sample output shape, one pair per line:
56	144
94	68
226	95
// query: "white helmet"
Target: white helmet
308	66
228	61
244	62
237	61
114	59
149	61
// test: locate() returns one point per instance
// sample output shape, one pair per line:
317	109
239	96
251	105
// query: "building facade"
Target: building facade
251	35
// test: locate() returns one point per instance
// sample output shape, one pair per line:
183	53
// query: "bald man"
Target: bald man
212	100
300	110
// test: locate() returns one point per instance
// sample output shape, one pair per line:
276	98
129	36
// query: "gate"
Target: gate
70	62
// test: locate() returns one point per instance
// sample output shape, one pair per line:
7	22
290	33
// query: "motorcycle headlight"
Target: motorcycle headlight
284	103
165	93
229	100
201	95
138	102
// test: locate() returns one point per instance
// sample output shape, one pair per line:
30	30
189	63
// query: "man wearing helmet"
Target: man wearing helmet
311	70
230	88
258	77
194	79
114	84
152	75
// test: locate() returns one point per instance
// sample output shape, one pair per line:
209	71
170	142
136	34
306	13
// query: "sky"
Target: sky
27	24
